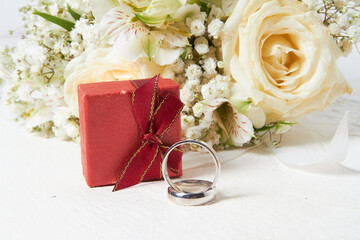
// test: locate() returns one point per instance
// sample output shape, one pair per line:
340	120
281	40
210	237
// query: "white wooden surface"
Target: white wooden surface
43	194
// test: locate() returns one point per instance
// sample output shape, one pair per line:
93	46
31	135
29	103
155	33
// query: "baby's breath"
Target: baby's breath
342	17
35	67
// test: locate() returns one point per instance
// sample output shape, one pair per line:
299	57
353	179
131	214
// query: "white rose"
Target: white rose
103	65
282	58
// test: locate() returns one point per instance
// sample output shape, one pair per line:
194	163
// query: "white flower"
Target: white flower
197	27
344	19
76	49
187	95
193	132
23	93
224	78
187	121
237	128
75	35
334	28
36	69
206	122
85	32
63	126
61	116
31	52
209	66
215	12
354	33
72	130
287	71
215	89
59	132
194	83
82	5
188	92
201	45
202	16
36	95
54	9
213	138
215	27
136	39
198	109
117	26
193	71
66	51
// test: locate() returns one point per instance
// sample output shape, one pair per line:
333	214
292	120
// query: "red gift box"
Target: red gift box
111	133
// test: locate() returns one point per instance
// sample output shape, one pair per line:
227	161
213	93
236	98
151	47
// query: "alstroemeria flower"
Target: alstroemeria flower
159	11
117	25
141	28
237	128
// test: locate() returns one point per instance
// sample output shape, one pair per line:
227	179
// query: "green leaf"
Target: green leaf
151	21
202	4
241	106
286	123
265	128
149	45
58	21
183	55
273	125
74	14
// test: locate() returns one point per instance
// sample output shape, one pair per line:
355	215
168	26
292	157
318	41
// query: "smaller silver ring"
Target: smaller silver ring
208	189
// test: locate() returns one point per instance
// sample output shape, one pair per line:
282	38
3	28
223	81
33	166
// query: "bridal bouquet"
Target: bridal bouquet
245	67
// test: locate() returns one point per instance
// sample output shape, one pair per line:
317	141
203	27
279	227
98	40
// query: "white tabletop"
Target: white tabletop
43	194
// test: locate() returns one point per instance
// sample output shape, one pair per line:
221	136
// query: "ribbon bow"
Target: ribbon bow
155	117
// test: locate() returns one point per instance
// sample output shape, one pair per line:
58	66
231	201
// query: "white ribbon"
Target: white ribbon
304	146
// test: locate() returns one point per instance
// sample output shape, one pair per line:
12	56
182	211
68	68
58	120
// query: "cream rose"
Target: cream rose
103	65
282	58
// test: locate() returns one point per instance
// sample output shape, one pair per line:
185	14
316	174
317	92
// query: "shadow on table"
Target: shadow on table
200	166
197	164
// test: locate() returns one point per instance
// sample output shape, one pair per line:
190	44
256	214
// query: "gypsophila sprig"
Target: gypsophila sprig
36	66
342	17
200	44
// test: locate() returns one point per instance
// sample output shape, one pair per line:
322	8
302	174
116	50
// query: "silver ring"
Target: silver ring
181	192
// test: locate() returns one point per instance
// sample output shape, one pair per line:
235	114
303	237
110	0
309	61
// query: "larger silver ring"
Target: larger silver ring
191	192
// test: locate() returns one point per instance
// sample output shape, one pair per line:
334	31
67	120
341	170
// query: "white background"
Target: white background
43	194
